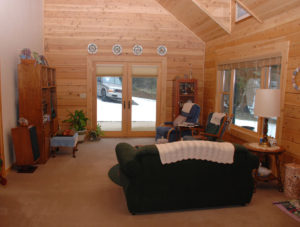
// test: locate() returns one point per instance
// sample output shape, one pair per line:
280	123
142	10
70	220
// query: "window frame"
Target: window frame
264	83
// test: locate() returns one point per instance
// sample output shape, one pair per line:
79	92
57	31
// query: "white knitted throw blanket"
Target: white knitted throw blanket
221	152
216	118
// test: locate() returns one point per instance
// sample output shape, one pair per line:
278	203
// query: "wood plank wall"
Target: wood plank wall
251	36
70	25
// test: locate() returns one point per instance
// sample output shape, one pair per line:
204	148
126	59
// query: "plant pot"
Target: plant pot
81	135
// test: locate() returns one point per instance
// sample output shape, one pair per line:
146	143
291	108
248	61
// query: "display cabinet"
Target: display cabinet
183	91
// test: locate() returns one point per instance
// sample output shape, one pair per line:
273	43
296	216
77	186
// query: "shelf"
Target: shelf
183	90
187	95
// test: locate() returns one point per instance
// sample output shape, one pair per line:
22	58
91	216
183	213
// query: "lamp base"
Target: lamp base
265	144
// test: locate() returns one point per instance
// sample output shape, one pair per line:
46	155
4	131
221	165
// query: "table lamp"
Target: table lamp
267	104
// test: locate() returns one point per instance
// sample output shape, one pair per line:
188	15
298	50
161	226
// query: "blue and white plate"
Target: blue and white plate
117	49
161	50
92	48
137	49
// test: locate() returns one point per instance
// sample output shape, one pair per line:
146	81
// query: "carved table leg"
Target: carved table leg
74	150
53	151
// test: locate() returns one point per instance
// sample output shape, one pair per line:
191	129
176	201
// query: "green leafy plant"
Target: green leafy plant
77	120
95	134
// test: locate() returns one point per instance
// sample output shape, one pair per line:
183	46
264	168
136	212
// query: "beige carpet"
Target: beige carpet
77	192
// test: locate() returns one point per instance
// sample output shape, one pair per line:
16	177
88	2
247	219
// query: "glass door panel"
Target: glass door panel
109	97
143	97
143	111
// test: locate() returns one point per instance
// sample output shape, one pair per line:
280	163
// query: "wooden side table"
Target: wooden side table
262	152
194	128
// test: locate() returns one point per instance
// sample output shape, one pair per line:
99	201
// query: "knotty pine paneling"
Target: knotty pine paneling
252	38
70	25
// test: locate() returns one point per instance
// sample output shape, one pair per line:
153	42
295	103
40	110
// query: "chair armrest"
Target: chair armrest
167	123
203	135
126	157
169	132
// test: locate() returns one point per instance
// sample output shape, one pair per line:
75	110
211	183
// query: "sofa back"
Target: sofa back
145	160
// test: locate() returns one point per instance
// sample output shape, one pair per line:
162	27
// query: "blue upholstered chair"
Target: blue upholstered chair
168	129
213	132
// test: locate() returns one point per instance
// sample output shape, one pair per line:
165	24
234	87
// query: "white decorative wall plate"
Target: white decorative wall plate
117	49
161	50
92	48
297	70
137	49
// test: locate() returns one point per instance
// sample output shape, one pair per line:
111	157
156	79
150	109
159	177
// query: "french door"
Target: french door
128	98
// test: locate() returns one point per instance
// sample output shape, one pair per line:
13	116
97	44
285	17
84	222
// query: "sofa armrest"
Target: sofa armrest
126	157
244	157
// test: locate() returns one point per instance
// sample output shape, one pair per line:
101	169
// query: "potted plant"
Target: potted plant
78	122
95	134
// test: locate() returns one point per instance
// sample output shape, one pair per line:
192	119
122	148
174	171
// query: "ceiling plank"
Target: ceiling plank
218	10
266	9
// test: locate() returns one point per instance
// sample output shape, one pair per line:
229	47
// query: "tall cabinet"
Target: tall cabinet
183	91
37	102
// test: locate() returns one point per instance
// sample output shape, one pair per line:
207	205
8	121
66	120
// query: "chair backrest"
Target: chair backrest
225	126
220	129
193	115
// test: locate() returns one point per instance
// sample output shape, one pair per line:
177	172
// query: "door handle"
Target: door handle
129	104
124	105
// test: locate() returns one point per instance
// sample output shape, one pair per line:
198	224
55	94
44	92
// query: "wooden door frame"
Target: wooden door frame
3	171
92	88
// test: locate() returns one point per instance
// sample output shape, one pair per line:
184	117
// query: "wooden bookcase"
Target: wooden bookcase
183	90
38	103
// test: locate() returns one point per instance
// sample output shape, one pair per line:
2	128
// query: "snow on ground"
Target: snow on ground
144	110
271	126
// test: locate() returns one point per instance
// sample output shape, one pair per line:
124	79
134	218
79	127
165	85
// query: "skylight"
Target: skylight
240	13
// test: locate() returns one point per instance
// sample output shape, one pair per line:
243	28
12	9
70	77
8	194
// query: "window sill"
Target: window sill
243	134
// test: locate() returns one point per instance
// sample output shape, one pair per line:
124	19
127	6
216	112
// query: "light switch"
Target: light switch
83	95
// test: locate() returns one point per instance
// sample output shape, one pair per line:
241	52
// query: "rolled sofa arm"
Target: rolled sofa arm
126	158
245	157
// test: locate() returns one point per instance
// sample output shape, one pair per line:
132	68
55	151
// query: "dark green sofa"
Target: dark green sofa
150	186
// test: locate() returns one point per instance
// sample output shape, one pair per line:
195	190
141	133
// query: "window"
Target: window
237	87
240	13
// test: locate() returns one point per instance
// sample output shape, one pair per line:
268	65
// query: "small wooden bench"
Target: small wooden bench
64	141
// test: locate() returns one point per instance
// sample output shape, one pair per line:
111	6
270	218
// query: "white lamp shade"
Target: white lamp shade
267	103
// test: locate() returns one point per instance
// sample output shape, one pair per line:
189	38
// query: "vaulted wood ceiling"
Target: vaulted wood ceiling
198	20
210	19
